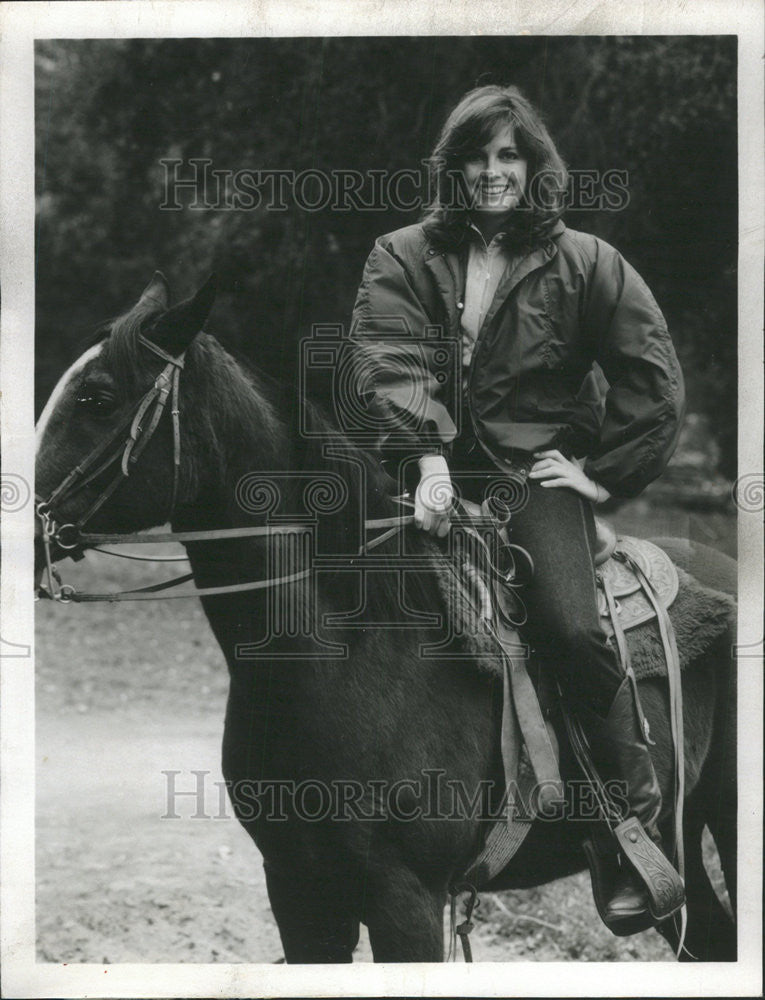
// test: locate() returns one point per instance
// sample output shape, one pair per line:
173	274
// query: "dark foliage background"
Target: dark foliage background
664	109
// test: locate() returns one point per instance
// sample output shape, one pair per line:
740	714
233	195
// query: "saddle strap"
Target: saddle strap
624	655
521	704
510	740
521	716
669	642
672	657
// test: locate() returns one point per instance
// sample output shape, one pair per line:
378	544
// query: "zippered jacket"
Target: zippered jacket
569	303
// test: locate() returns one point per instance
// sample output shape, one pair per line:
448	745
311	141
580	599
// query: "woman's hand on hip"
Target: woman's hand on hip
552	469
434	495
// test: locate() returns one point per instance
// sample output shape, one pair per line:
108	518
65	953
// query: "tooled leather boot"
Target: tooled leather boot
646	888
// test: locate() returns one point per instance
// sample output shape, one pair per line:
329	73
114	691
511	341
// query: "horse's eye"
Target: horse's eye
96	400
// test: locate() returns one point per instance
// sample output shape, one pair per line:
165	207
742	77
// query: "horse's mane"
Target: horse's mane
231	395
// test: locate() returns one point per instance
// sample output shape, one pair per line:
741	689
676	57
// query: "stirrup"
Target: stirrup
604	870
665	891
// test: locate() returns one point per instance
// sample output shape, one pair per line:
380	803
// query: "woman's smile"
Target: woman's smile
496	173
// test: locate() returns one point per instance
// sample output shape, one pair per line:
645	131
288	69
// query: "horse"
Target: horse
355	709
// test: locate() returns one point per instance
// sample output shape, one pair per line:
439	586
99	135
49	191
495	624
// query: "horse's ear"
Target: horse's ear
156	296
179	326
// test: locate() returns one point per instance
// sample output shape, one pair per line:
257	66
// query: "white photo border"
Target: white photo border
22	23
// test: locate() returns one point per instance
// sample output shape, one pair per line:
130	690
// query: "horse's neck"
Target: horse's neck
266	474
331	488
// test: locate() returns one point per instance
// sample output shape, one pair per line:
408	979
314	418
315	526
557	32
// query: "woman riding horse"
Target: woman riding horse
532	305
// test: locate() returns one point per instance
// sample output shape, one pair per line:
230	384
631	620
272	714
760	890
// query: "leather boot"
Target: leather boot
620	753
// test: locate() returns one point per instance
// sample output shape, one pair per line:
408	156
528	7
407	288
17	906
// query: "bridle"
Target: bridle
140	426
124	446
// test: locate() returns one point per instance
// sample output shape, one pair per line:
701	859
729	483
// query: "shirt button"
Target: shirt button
460	306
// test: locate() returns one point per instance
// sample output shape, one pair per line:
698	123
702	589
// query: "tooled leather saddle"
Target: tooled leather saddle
615	560
637	582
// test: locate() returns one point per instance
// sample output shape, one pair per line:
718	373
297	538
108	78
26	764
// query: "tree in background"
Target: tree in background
663	109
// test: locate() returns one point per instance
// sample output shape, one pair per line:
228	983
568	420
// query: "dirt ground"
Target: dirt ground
118	883
128	692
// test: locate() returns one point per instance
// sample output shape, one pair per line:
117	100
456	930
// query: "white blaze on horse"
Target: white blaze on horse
328	686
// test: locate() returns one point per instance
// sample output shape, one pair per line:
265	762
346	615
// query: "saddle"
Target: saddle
636	582
616	560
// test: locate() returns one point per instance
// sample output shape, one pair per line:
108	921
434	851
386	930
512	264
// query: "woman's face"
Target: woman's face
496	173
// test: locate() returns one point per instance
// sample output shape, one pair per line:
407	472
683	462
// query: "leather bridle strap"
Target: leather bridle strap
177	364
166	385
67	593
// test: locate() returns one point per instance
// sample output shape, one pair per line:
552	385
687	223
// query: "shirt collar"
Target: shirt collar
475	231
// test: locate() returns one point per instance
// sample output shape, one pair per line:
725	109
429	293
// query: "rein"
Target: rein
66	593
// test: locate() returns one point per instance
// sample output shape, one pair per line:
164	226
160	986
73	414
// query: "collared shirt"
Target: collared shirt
487	264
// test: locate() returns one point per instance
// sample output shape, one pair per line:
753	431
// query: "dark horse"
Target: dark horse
354	707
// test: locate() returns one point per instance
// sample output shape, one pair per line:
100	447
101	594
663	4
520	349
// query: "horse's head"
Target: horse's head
108	439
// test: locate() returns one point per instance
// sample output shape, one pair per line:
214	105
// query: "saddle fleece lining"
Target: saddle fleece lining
699	615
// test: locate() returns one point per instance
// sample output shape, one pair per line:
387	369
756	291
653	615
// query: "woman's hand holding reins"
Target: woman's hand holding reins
553	469
434	495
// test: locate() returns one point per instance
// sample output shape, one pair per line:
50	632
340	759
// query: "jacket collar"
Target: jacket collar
445	269
448	270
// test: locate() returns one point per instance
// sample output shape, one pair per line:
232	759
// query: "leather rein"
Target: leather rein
125	446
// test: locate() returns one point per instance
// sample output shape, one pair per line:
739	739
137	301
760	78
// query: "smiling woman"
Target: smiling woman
496	175
494	154
533	306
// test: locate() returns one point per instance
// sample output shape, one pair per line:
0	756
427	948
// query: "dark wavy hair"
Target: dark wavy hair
471	125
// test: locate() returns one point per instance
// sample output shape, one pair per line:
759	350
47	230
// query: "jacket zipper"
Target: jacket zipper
469	380
469	383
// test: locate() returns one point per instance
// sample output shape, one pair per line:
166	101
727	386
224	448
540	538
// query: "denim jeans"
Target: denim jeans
557	527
